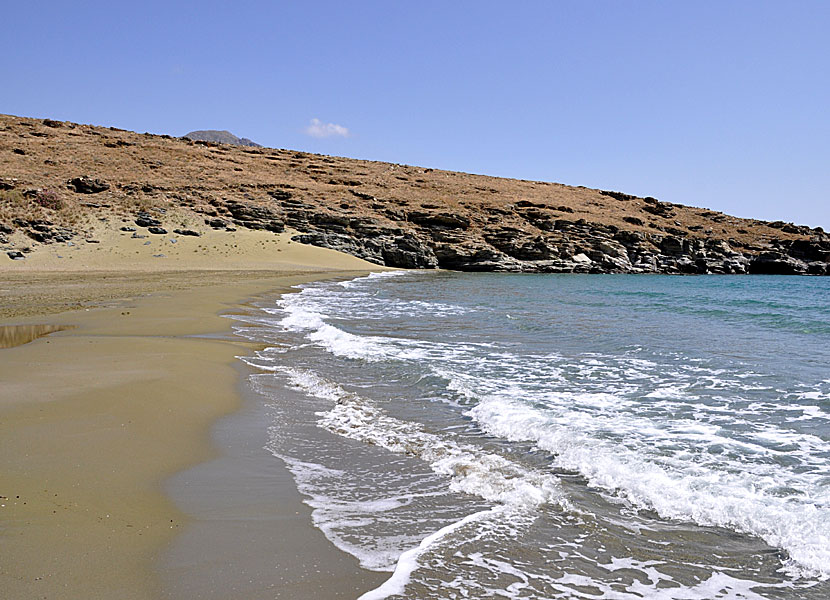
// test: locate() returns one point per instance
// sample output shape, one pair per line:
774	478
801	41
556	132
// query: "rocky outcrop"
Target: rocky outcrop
427	239
44	231
220	137
255	217
87	185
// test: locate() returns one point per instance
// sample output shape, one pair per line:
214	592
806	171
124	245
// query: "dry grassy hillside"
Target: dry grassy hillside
57	177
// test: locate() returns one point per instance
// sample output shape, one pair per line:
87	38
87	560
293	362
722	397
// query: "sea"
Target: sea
480	435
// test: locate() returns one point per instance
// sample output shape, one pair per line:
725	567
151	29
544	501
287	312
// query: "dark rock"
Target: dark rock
633	221
444	219
776	263
255	217
363	195
128	229
19	151
807	250
213	137
330	221
147	221
43	231
660	209
216	223
473	256
157	230
15	255
541	219
686	265
280	194
87	185
719	247
818	268
373	227
409	252
674	246
189	232
347	182
520	244
617	195
366	249
452	236
790	228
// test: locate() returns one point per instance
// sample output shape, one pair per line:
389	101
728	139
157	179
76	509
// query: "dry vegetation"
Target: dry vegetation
150	172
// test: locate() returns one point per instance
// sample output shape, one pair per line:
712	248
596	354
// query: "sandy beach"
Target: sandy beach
97	420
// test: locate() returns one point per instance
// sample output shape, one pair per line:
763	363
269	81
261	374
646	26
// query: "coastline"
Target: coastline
94	420
244	504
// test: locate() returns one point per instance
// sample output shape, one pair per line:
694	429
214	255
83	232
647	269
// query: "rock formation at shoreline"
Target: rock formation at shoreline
53	173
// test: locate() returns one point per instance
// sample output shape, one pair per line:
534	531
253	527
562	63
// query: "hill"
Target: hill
58	178
220	137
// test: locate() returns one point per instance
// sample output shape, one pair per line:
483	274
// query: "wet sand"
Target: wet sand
104	426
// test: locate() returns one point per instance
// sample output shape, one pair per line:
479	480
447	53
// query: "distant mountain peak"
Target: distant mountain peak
220	137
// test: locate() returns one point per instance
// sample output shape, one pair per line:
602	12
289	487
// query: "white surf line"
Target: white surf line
408	561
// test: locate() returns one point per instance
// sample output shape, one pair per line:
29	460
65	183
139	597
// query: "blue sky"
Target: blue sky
722	104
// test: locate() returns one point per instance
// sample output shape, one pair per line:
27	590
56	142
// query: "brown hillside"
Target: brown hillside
395	214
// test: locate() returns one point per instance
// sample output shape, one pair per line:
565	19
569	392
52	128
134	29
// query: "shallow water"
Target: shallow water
17	335
529	436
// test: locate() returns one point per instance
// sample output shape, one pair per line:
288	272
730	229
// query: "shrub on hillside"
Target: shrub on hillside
48	199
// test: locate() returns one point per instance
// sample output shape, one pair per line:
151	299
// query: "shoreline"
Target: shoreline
244	504
94	421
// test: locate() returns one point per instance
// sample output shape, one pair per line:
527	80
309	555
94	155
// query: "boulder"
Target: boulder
818	268
776	263
144	219
216	223
87	185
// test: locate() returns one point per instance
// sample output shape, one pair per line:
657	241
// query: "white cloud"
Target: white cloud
319	129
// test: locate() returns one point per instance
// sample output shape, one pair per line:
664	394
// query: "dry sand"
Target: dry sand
95	419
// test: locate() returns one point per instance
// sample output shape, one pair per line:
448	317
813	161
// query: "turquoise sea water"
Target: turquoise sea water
547	436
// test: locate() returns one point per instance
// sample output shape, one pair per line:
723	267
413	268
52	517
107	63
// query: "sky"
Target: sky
723	105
